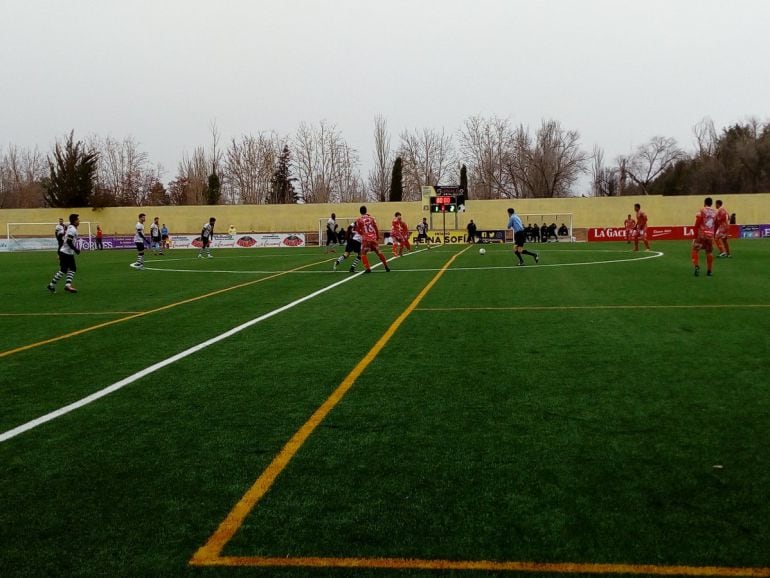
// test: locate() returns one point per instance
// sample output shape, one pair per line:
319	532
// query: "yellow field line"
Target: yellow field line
208	554
143	313
579	307
489	566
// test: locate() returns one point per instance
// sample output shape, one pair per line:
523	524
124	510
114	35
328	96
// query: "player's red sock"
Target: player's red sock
727	246
365	261
720	246
694	257
709	261
408	246
383	259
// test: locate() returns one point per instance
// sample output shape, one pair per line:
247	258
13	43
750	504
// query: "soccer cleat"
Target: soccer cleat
367	270
352	269
708	273
70	289
520	264
537	257
200	256
387	269
51	288
134	265
209	256
697	271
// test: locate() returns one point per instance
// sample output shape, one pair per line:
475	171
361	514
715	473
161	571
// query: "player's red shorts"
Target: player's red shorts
723	233
641	234
704	243
369	245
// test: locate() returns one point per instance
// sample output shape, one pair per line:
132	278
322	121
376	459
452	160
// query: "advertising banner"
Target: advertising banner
749	231
764	231
248	241
491	236
448	237
654	233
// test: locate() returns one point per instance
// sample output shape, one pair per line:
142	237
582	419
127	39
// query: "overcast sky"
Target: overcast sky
617	71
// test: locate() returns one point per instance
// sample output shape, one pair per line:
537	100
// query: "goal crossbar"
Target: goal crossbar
32	236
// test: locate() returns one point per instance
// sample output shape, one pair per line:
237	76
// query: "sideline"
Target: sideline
151	311
168	361
208	554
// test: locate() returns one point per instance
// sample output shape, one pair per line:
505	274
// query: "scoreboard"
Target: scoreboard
443	204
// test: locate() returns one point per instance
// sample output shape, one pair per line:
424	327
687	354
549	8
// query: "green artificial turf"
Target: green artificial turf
602	407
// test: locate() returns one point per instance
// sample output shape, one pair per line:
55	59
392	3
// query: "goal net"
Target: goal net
40	236
546	228
342	225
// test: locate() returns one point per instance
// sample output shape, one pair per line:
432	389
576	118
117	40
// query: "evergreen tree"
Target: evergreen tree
281	185
71	175
397	181
464	181
214	189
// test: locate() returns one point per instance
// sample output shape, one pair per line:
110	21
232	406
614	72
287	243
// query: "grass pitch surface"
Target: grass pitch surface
603	411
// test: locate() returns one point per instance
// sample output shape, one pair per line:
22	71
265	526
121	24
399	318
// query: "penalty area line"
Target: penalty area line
5	436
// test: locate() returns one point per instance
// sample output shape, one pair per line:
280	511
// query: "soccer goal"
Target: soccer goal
342	225
563	221
40	236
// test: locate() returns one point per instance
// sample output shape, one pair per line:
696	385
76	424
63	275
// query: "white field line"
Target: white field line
161	364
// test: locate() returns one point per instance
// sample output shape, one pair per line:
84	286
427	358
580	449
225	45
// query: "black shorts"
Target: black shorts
422	236
139	247
519	238
67	263
164	237
353	246
156	240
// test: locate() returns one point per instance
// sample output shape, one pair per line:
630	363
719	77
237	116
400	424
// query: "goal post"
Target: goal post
561	220
40	236
342	225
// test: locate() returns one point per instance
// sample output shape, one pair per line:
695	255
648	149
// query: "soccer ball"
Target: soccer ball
482	251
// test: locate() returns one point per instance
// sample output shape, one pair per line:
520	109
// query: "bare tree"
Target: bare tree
21	174
651	160
124	175
518	165
192	176
248	168
326	164
428	156
706	138
379	176
557	160
605	181
486	145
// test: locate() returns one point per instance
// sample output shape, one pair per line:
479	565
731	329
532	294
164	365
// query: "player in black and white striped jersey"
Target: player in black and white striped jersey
67	253
140	241
157	248
207	235
59	233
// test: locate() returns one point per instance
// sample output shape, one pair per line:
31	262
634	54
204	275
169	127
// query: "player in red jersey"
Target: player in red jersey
723	230
630	225
370	234
641	228
705	229
395	233
399	231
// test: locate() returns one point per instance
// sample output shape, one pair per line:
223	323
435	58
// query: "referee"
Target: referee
519	237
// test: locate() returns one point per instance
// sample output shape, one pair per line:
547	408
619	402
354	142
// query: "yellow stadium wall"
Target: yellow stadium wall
587	212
